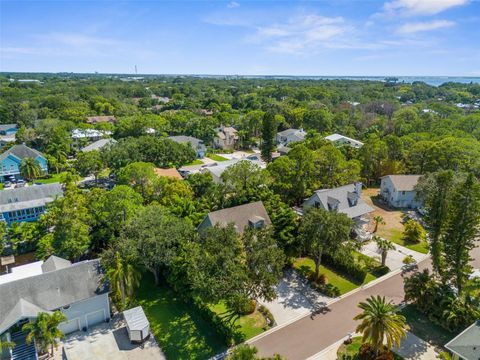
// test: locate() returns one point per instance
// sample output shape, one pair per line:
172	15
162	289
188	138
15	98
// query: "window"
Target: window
403	192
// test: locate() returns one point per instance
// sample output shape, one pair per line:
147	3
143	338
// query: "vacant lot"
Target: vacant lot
393	227
179	330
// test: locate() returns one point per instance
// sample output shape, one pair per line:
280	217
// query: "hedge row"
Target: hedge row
346	266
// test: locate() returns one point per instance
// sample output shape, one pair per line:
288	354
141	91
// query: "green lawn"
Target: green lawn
52	178
306	266
421	326
195	162
248	325
350	351
180	331
216	157
397	237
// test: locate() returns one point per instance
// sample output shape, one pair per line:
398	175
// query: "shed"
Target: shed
138	327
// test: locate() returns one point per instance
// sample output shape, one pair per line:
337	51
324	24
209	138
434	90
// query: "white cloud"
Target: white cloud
421	7
415	27
233	4
300	33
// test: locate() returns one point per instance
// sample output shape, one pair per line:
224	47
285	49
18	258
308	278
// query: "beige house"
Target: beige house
226	138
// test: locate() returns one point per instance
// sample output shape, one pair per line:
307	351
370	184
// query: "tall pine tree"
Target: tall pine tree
268	134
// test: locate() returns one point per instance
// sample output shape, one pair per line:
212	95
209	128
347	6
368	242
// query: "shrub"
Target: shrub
414	232
268	315
380	271
347	266
327	289
366	352
248	307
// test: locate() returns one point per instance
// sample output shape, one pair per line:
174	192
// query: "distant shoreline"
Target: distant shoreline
430	80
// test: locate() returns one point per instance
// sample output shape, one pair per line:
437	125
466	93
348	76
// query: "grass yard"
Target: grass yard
195	162
397	237
421	326
248	325
216	157
306	266
52	178
350	351
180	331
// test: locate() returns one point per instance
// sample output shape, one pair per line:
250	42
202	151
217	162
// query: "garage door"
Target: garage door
70	326
95	318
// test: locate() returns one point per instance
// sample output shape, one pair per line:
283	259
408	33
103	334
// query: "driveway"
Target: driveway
394	257
237	155
294	299
475	253
313	333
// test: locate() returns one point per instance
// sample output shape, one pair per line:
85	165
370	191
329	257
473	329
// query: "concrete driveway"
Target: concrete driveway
294	299
394	257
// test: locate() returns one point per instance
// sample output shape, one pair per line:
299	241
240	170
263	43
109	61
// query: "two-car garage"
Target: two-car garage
89	320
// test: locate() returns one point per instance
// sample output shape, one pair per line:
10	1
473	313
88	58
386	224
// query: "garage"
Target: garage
96	317
70	326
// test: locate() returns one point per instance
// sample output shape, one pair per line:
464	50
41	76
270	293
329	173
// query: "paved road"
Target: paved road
312	334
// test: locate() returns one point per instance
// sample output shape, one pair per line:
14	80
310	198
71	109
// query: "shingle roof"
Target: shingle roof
239	215
99	144
345	199
20	151
29	196
404	182
173	173
51	290
336	137
218	169
182	139
97	119
135	318
467	343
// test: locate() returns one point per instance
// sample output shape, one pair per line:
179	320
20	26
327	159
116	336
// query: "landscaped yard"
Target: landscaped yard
248	325
52	178
306	266
216	157
195	162
350	351
180	331
421	326
393	227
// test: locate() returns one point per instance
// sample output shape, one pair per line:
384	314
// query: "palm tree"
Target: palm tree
380	322
124	278
45	330
6	345
30	168
378	220
384	246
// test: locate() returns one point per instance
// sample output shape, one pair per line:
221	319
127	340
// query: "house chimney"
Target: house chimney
358	188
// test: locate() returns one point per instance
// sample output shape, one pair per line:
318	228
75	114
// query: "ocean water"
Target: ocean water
430	80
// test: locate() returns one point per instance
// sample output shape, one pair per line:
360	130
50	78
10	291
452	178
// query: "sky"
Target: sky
236	37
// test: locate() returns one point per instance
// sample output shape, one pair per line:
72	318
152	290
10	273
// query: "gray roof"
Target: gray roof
29	196
344	198
183	139
5	127
49	291
467	343
135	318
238	215
20	151
218	169
404	182
55	263
97	145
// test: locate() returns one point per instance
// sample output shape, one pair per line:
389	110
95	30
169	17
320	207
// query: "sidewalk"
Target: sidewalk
394	257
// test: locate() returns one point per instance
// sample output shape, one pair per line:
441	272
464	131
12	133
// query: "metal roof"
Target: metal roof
29	196
135	318
20	151
467	343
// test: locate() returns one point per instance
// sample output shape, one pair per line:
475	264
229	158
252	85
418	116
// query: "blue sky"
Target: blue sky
390	37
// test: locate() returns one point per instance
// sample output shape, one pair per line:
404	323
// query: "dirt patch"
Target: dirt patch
393	218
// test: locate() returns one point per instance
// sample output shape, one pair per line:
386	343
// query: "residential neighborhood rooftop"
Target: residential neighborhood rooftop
241	216
99	144
172	173
404	182
467	343
20	151
29	196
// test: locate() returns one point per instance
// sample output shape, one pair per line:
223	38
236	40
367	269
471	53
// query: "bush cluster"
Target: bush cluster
347	266
267	314
327	289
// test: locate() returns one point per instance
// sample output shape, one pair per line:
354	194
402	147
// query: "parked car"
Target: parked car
7	184
20	184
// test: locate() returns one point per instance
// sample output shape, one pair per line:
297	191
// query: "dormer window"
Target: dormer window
256	222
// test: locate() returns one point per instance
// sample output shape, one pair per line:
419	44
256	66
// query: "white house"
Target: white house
77	290
341	140
399	191
217	169
288	136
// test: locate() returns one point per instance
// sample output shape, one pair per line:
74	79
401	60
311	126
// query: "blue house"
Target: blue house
77	290
27	203
11	160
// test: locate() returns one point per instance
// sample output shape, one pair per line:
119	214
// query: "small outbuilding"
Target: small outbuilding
138	327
